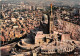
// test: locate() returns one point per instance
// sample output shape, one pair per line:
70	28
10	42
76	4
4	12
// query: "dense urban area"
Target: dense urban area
36	30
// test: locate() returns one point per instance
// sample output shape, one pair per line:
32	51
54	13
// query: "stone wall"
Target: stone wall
70	27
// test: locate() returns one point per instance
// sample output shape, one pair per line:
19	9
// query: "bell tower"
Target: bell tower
51	22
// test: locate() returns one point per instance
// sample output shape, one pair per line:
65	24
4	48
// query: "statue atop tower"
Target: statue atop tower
51	9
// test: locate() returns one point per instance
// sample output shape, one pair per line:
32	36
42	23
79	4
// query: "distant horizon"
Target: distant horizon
60	2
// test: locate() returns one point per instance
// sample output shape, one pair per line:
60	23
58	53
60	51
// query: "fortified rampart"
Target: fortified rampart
70	27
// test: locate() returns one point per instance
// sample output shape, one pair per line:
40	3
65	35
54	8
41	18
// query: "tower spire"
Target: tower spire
51	9
51	22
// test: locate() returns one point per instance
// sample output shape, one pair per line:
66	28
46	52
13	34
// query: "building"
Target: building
40	37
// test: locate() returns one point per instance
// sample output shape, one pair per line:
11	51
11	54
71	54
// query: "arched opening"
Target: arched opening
44	39
59	38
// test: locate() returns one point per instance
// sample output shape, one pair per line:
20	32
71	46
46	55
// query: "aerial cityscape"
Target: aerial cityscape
40	28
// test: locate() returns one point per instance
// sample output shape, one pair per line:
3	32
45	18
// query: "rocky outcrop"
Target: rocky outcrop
70	27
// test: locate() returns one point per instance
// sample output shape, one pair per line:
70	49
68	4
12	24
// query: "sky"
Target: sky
52	0
69	2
